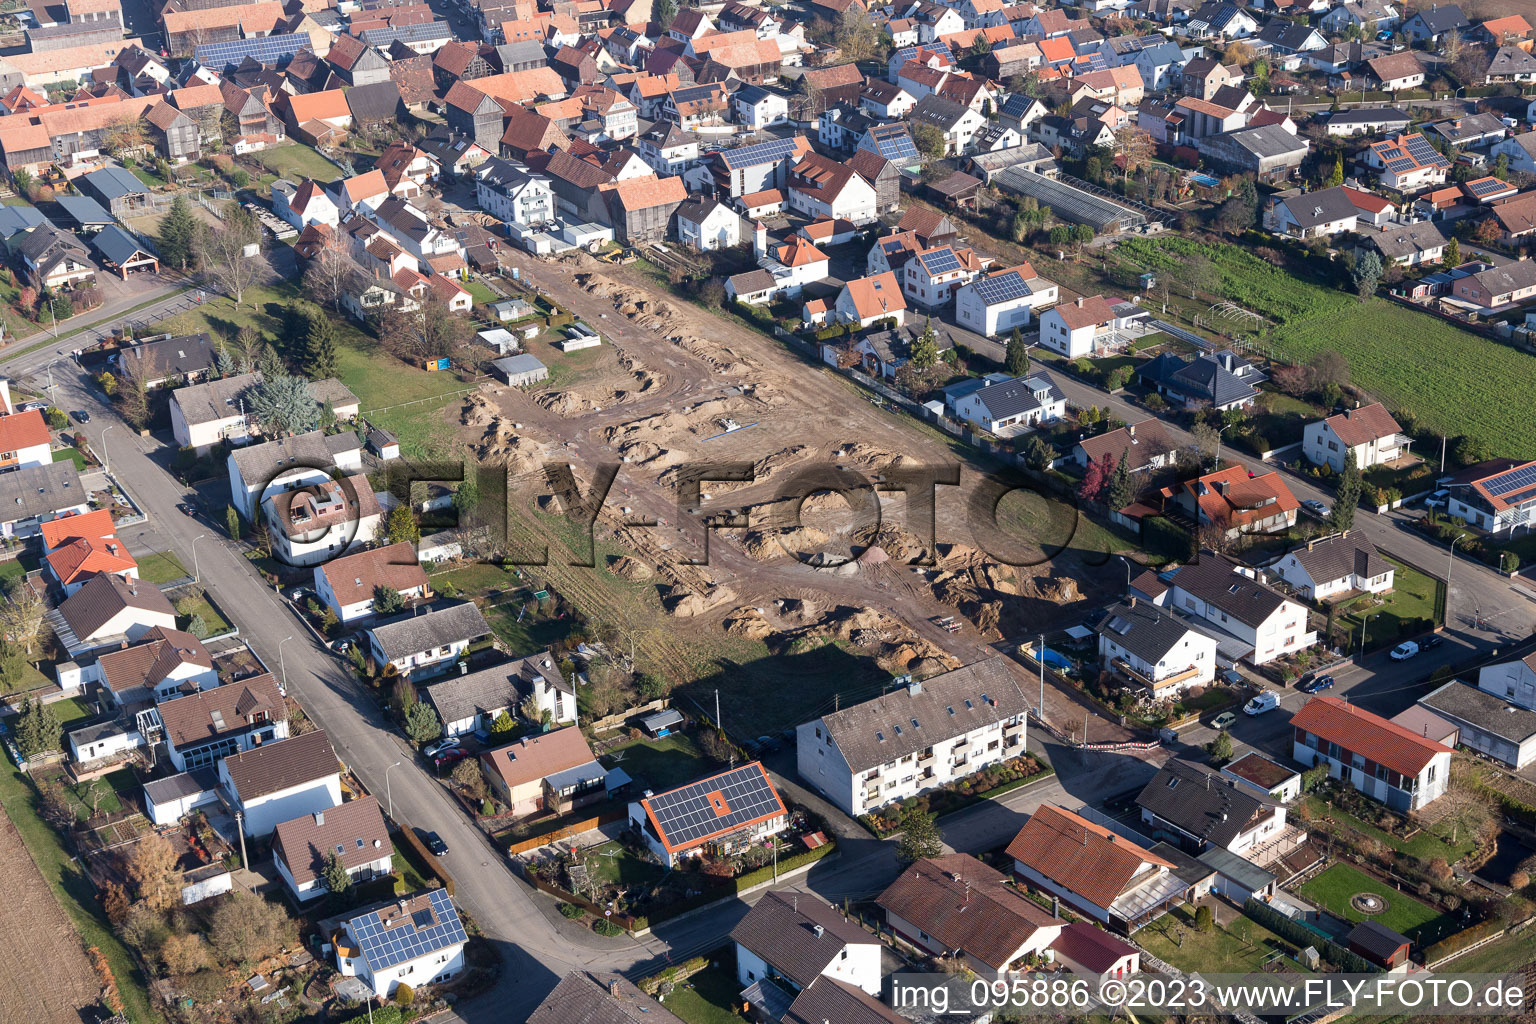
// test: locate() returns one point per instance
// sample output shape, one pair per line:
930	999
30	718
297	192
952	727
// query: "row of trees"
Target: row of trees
220	255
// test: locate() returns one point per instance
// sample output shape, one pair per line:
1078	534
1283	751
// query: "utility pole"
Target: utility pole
717	708
1041	660
1442	454
240	827
389	795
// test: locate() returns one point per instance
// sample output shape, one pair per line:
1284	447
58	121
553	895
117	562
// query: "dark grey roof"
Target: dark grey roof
436	627
111	183
751	281
1244	872
1187	868
946	706
117	245
1472	126
45	240
1014	397
797	935
1340	556
1202	802
488	691
1324	206
273	767
39	490
827	999
1440	19
1511	60
1267	140
178	787
168	357
1285	35
1147	631
1398	240
1468	705
260	462
696	210
935	110
503	174
583	998
1369	115
1207	376
1212	580
16	219
378	101
1377	939
520	52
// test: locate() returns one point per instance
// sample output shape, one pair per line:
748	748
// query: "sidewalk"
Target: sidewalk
149	303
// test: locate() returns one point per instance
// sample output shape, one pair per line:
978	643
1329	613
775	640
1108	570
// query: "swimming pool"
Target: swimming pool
1204	179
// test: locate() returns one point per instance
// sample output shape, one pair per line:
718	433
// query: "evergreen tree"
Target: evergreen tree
1351	483
319	360
925	350
1453	253
37	727
421	723
337	879
1220	748
401	525
919	837
1335	176
232	522
1121	491
176	234
387	600
1018	355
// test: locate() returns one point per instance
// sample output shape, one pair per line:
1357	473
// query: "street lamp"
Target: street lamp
197	575
282	666
1450	562
388	796
1223	430
1364	627
1127	562
106	460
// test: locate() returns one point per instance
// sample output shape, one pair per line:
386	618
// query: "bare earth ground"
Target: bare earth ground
45	977
677	377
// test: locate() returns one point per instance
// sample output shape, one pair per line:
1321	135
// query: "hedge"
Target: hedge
386	1014
1459	941
798	860
1300	936
677	972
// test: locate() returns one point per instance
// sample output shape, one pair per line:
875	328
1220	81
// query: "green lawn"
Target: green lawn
1332	890
74	891
483	296
660	764
161	567
1415	598
1509	953
1243	945
11	569
611	863
412	875
31	679
297	162
479	579
188	607
70	709
1425	846
707	998
1397	353
70	455
535	632
103	794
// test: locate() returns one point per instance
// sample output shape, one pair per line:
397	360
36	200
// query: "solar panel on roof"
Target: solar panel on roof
1002	288
1402	163
941	262
1514	480
1486	186
385	947
714	806
277	50
760	153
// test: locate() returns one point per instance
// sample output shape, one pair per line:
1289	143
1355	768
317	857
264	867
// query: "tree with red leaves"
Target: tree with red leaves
1093	482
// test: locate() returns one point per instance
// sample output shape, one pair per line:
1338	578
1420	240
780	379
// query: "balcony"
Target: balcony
1156	686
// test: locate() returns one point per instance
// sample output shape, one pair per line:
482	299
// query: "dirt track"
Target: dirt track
45	977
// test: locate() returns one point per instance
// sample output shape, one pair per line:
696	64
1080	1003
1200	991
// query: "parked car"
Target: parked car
342	646
1430	642
1316	507
186	508
1314	685
1266	701
1439	499
1223	720
433	749
1404	650
434	842
81	416
450	756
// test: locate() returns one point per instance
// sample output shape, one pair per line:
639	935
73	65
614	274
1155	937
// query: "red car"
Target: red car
452	755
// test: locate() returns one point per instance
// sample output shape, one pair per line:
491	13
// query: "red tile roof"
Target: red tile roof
1081	857
1368	735
23	430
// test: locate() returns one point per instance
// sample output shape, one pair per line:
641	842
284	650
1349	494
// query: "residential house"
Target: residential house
1396	71
1197	808
429	642
1514	681
470	702
1014	405
1380	759
1218	380
203	727
1001	301
255	472
586	998
957	123
1156	649
869	299
24	441
320	519
1342	564
931	276
1267	624
1267	151
79	548
53	258
34	495
1368	435
277	781
822	188
415	941
1093	870
1494	496
724	812
883	175
186	357
1368	121
886	101
353	833
1406	245
163	665
1485	723
305	204
668	149
552	771
1497	288
955	905
914	738
1090	952
757	108
787	943
108	610
346	585
762	165
1203	77
1265	776
1407	163
706	224
1238	501
1284	37
1372	14
1521	151
512	193
1431	26
1224	19
1145	447
882	353
1474	131
1321	214
1077	328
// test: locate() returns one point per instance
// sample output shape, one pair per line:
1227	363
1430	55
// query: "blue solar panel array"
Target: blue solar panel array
1512	483
384	947
1001	288
941	261
275	50
1485	187
382	37
761	153
714	806
893	142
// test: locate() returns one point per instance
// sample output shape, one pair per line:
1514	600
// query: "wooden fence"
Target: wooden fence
565	831
618	718
433	865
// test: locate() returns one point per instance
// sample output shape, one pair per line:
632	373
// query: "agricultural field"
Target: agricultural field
1397	354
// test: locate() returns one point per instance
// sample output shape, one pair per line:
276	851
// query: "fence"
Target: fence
618	718
564	831
426	858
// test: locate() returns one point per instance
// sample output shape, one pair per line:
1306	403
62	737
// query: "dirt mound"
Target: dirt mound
631	569
748	622
873	555
799	610
898	544
566	403
766	545
765	467
685	603
644	453
1055	589
478	411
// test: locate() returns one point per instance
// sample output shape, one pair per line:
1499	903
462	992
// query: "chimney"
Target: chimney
1079	302
1226	361
819	930
463	668
1055	908
1310	542
319	818
1131	430
613	987
1133	600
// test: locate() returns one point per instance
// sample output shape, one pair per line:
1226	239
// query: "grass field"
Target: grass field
161	567
1243	945
660	764
101	795
612	863
296	162
74	891
412	875
483	296
188	607
1396	353
1332	890
70	710
70	455
707	997
1415	597
1425	846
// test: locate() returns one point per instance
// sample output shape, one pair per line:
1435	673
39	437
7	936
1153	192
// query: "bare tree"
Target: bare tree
22	615
229	256
326	277
429	331
123	135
